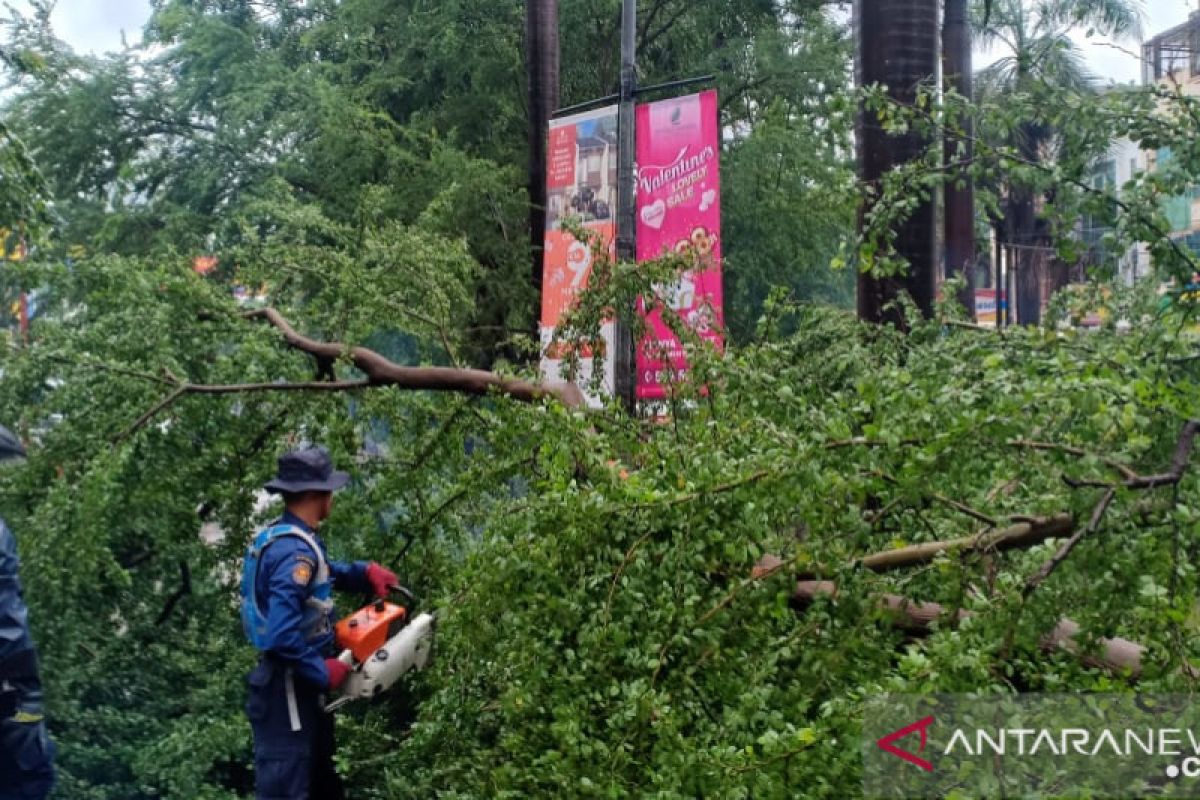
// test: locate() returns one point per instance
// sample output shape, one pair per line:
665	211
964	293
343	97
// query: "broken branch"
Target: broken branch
1022	534
1117	655
1179	462
381	371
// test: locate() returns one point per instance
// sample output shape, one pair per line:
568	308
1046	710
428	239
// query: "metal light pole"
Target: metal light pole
625	357
625	364
960	201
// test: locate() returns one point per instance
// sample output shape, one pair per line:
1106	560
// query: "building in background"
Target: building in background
1121	164
1171	57
1172	60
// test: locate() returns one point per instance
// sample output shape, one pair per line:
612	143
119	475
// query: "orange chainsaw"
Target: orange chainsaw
381	643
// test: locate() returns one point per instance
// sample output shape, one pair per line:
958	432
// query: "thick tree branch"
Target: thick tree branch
1023	534
381	371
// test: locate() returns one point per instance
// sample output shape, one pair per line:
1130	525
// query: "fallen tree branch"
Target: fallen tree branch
1117	655
969	326
1022	534
1125	470
303	386
1179	462
1066	547
381	371
1086	483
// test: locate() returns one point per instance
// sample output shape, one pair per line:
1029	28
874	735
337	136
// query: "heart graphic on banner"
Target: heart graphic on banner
655	214
707	199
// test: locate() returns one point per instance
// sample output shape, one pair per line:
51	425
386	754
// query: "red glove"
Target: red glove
338	672
381	579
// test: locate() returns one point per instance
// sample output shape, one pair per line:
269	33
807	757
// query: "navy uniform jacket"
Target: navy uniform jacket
14	624
283	596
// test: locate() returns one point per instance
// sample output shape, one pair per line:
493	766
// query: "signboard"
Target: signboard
679	211
985	306
581	185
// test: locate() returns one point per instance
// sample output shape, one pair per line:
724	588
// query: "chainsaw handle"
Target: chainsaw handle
395	590
405	593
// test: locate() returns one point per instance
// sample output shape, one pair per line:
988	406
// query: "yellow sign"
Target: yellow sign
12	246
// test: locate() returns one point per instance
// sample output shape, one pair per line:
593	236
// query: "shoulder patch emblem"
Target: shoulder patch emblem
302	572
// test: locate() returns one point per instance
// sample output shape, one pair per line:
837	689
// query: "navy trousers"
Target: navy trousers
26	752
293	737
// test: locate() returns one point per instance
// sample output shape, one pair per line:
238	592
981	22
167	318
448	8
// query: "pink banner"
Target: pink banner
679	210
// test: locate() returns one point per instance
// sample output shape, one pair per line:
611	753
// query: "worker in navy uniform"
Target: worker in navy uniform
26	752
287	610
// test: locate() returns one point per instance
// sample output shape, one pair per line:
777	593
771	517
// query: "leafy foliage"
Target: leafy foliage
602	632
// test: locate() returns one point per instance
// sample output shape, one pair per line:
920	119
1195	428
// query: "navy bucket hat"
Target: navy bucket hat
307	470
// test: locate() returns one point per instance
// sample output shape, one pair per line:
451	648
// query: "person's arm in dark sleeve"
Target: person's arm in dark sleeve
291	570
350	576
14	625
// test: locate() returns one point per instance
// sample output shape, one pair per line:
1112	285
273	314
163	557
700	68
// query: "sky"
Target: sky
96	25
1109	63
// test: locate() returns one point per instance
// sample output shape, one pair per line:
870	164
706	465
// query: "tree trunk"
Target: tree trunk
542	64
898	46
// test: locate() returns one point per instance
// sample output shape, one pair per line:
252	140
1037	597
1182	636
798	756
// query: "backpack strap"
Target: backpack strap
274	533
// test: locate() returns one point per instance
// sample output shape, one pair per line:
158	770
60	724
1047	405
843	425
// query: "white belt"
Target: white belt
293	709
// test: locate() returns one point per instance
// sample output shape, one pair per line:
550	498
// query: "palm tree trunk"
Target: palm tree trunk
898	45
542	64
